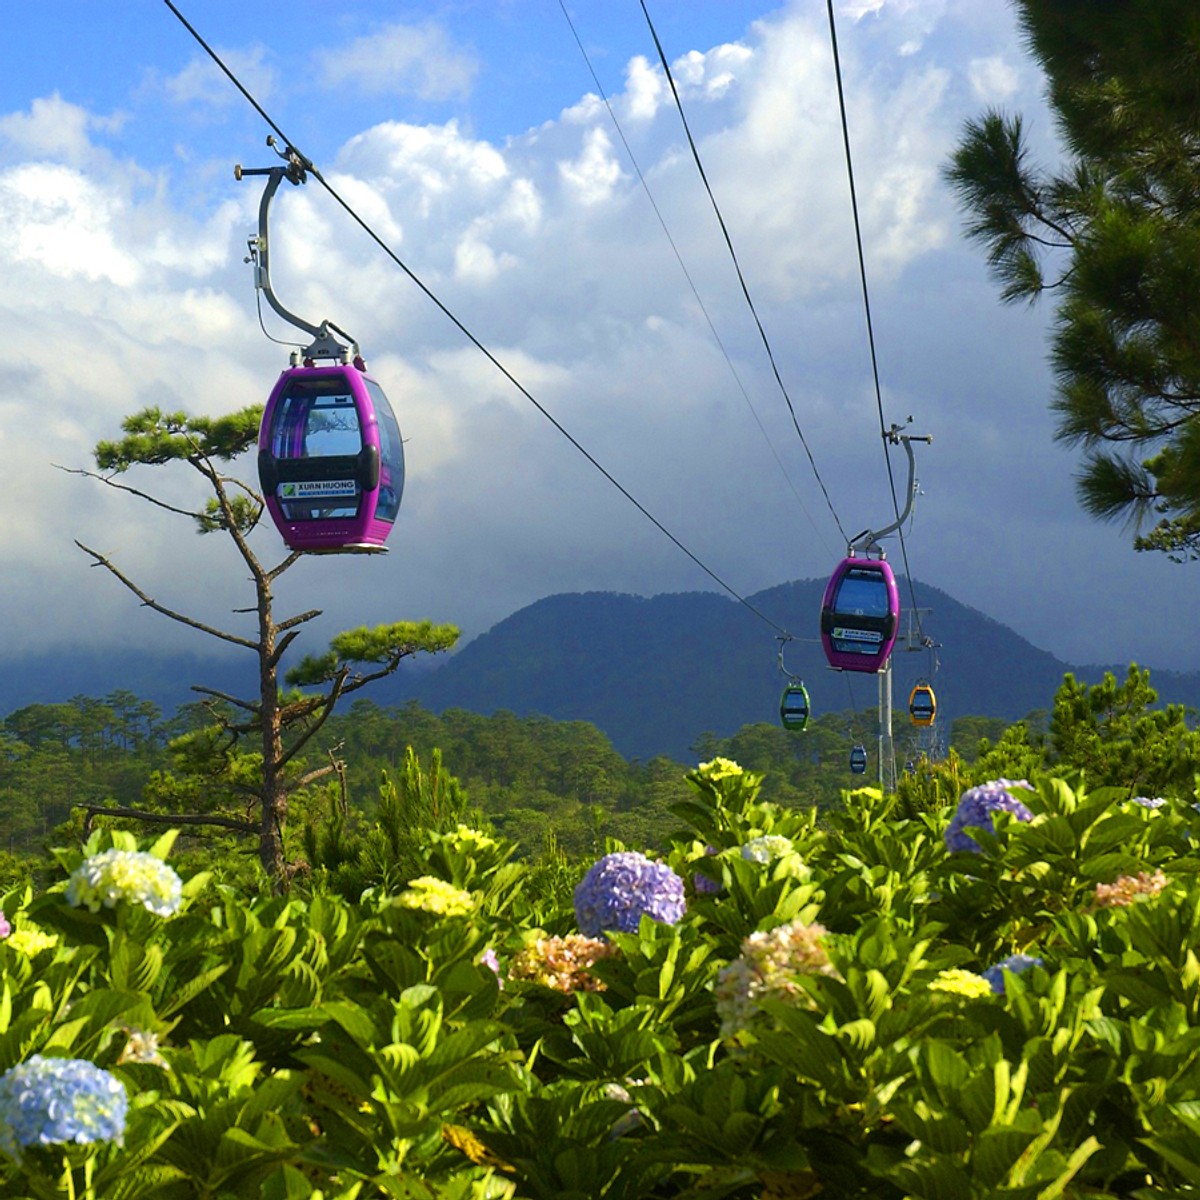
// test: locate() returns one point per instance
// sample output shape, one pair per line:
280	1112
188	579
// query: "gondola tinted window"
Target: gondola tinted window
317	419
864	594
391	455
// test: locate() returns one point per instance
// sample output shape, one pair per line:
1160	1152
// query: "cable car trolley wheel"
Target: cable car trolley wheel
860	615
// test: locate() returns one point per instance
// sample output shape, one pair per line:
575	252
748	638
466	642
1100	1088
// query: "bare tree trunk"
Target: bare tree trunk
273	798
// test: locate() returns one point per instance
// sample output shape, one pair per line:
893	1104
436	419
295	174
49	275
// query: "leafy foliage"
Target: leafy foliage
380	1046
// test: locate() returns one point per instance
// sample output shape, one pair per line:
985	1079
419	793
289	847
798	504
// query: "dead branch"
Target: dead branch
248	705
102	561
330	699
108	481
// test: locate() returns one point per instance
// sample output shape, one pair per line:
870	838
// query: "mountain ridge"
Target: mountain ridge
652	672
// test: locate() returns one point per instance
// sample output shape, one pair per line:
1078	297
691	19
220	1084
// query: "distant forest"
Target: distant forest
532	778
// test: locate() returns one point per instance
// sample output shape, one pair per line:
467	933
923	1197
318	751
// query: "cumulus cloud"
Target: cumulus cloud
594	174
54	128
132	288
58	218
419	60
993	78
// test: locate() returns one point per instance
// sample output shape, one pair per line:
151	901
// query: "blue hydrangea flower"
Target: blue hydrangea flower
975	808
620	887
1149	801
1016	963
107	878
46	1101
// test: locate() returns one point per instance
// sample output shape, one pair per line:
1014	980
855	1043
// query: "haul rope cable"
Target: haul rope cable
862	274
862	270
462	328
683	267
762	333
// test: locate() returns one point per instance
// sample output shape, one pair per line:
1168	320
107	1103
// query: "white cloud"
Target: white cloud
54	128
595	173
419	60
436	159
203	83
992	79
55	216
645	89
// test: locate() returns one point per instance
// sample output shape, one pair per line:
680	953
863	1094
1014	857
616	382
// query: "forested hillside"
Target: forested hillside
656	673
527	776
535	779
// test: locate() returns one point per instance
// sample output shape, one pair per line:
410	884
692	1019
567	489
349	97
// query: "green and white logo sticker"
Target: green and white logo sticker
317	489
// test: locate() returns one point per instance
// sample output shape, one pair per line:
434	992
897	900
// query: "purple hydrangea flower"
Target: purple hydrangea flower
620	887
975	808
5	927
1149	801
703	885
488	959
1016	963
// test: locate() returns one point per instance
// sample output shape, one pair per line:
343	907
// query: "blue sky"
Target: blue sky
469	135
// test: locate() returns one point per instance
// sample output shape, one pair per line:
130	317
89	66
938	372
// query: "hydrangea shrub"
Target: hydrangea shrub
976	806
116	876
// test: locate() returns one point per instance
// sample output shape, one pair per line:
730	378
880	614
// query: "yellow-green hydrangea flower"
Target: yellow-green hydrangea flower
29	940
719	768
466	836
961	983
432	895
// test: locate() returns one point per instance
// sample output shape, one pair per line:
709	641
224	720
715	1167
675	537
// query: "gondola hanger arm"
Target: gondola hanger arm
294	169
868	540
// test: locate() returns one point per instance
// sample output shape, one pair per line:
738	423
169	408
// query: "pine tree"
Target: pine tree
1114	235
277	724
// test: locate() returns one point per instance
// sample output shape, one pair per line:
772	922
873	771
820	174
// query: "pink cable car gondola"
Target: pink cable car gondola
330	455
330	459
860	615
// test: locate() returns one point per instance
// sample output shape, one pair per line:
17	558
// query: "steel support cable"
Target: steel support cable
762	333
862	271
309	167
686	273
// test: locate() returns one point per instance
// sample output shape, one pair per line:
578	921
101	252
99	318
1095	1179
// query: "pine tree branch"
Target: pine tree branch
299	619
137	814
250	706
330	699
108	481
102	561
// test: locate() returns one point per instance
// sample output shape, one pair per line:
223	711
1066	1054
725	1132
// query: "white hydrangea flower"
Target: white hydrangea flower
132	876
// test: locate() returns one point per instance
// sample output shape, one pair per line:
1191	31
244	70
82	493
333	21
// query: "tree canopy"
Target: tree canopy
1114	234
